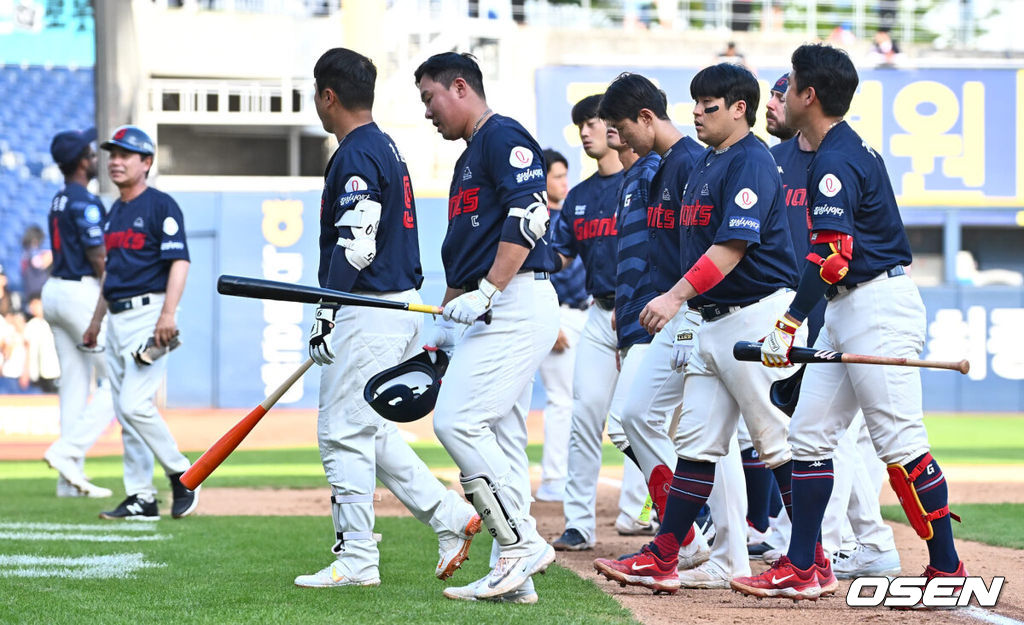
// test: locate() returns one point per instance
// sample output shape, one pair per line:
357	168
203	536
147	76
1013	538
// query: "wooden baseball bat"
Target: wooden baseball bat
259	288
219	451
751	351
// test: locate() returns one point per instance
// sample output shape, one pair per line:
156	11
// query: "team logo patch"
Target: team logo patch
355	183
626	199
138	223
666	196
705	191
520	157
746	198
830	185
170	227
466	173
92	214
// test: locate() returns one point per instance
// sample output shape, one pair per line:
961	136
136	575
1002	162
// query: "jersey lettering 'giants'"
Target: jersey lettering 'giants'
465	201
661	217
589	229
127	239
695	214
593	235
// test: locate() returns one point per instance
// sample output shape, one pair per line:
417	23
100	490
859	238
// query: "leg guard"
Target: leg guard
483	494
903	485
348	513
658	484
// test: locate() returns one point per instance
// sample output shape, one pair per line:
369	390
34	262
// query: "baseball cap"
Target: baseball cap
68	145
781	84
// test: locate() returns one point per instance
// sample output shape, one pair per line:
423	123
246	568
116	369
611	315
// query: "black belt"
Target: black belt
70	279
838	289
473	285
605	302
121	305
710	312
583	305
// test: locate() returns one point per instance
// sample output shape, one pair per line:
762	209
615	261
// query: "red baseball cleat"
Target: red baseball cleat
931	573
823	569
782	580
641	569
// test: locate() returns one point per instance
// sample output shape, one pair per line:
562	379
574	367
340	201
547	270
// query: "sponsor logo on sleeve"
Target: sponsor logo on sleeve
746	198
172	245
745	223
520	157
530	174
94	232
352	198
92	214
355	183
170	226
828	209
830	185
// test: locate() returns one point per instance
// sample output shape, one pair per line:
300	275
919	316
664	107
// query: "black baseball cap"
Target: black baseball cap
67	146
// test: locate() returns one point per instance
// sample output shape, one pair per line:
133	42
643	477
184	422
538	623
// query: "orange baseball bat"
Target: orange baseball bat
219	451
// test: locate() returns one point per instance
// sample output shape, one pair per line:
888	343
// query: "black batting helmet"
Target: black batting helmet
131	138
784	393
407	391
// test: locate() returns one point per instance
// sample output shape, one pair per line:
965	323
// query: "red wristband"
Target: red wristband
704	274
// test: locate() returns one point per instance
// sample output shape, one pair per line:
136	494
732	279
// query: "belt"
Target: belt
582	305
710	312
473	285
69	278
839	289
121	305
605	302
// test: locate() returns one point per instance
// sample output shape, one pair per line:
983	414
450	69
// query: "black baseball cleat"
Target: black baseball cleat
133	508
185	500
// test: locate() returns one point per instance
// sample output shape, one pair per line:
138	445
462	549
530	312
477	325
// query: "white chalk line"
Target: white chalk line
84	567
90	527
87	538
990	617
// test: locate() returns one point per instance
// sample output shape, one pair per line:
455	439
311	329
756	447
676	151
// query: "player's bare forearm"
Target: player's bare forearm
166	327
507	261
450	294
97	258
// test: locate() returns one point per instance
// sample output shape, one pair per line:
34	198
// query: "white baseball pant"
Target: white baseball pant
886	317
556	374
485	396
358	446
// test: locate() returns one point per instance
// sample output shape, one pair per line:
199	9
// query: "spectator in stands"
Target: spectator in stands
9	301
884	51
732	54
41	367
36	259
15	351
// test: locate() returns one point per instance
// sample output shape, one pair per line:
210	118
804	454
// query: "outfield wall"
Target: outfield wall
236	350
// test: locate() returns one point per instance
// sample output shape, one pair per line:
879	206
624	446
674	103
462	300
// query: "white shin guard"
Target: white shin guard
353	528
499	518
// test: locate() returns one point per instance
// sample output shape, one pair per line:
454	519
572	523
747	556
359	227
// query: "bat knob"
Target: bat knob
486	317
965	366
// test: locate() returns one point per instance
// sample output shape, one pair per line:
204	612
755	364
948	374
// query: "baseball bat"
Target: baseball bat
259	288
219	451
751	351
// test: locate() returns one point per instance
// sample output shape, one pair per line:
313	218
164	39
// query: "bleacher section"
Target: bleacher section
37	102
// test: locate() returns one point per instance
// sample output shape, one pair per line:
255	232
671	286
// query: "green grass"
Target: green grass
993	524
240	570
968	439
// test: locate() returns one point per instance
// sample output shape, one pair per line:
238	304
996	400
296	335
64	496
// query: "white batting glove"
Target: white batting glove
442	336
320	335
775	347
468	306
685	339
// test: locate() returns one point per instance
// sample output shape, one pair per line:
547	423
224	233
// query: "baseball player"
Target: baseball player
589	232
853	509
147	264
736	245
368	245
496	258
637	110
556	370
858	252
76	231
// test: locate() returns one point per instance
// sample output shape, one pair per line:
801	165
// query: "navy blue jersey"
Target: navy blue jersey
737	195
76	224
142	236
665	198
587	230
368	166
848	190
501	168
632	280
793	163
571	282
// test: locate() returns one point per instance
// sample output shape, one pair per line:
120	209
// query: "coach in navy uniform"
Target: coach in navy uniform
147	264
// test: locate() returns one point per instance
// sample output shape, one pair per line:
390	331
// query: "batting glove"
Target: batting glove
686	338
442	336
775	347
320	335
468	306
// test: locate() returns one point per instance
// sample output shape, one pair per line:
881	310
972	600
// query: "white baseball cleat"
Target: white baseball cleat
523	594
707	575
512	572
337	574
696	553
865	561
453	547
68	469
